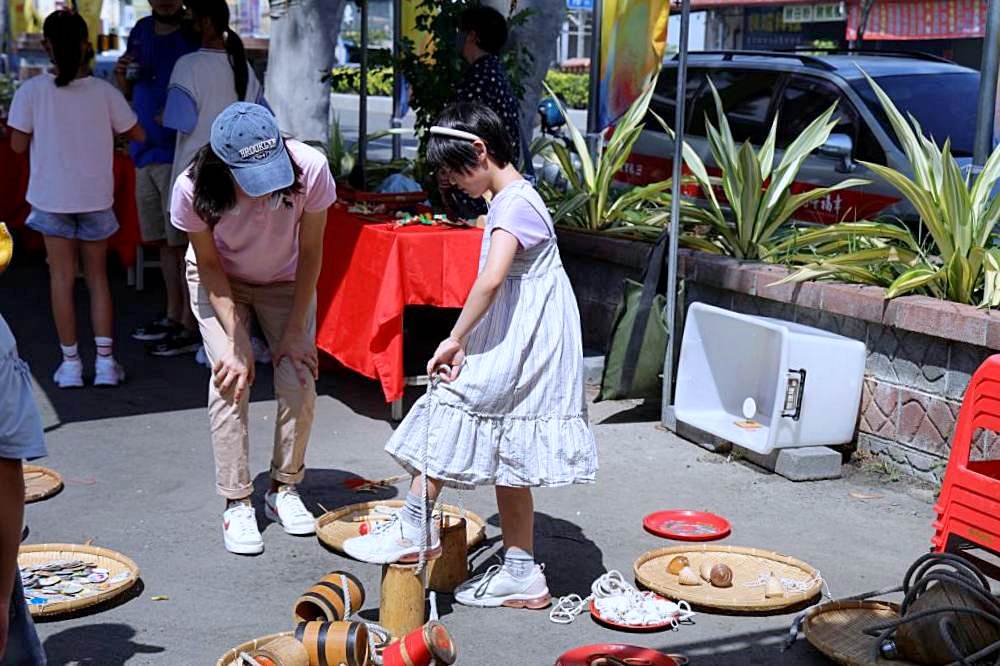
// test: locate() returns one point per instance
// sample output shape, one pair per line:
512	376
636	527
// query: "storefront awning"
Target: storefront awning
698	5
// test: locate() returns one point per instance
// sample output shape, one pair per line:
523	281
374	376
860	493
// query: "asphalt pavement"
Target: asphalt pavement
139	479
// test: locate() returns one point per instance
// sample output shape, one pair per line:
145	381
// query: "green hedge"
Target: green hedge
348	80
572	89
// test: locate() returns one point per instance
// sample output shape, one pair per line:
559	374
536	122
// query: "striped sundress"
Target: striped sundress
517	414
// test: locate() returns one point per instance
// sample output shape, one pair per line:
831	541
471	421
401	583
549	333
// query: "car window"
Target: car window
746	98
943	104
665	96
804	99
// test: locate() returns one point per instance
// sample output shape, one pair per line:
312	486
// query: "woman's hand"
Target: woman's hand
235	368
449	354
300	348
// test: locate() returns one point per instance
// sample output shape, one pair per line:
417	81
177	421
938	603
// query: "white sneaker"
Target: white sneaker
393	541
239	529
69	374
285	507
498	588
108	372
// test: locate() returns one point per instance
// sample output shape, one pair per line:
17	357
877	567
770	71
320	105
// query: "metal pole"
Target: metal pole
363	101
397	78
593	108
988	85
667	406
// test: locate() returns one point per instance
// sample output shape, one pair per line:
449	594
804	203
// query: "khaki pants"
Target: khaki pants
272	303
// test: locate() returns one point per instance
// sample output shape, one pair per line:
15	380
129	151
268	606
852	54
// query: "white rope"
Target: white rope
791	584
619	601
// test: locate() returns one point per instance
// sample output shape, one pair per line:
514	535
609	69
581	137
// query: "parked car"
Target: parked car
797	87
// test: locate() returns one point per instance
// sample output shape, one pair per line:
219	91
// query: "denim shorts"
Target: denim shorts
96	226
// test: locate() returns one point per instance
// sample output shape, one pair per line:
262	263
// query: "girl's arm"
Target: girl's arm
297	342
19	141
136	133
503	247
236	364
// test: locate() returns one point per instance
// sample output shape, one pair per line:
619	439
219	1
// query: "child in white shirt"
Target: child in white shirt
69	119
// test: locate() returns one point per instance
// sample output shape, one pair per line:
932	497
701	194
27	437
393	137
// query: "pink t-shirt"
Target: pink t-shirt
257	242
72	130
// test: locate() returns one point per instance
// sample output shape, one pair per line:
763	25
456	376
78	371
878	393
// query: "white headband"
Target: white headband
454	133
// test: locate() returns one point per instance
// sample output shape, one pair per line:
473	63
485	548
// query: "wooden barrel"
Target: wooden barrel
402	604
335	643
325	599
282	651
418	648
452	568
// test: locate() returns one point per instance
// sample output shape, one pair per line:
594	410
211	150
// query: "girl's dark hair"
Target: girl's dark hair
489	25
217	11
445	153
65	31
215	188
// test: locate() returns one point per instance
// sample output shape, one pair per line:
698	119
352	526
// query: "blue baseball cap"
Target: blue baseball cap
246	137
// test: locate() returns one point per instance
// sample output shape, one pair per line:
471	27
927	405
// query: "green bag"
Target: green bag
646	382
639	337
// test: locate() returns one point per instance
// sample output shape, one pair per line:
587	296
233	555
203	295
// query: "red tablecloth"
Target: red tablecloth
370	273
14	209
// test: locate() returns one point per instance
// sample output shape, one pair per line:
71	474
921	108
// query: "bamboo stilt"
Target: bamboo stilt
402	606
451	569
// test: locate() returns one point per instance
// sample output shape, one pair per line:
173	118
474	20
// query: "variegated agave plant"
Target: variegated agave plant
958	211
757	193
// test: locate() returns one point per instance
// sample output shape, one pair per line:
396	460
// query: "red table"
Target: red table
371	272
14	209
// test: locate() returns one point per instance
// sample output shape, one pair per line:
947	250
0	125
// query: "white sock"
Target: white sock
70	352
104	347
518	563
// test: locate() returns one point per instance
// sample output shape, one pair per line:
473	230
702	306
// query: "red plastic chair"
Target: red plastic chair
969	504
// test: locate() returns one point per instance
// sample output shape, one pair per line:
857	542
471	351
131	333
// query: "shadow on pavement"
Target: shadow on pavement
322	489
96	645
572	561
746	649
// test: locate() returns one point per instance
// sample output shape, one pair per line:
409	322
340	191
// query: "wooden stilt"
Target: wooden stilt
452	568
402	606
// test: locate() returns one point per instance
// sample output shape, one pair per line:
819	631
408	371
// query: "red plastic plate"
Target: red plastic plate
684	525
592	655
596	614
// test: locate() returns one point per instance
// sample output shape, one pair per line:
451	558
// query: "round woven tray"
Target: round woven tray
335	527
229	659
837	629
747	564
114	562
40	483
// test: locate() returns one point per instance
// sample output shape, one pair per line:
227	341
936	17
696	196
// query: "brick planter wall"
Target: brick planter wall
597	265
921	351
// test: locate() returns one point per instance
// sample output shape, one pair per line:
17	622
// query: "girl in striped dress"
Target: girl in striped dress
508	407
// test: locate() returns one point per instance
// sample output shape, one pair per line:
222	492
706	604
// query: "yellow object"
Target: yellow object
24	18
90	10
633	40
408	21
6	247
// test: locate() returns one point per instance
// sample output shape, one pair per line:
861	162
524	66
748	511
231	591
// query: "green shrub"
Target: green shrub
348	80
572	89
